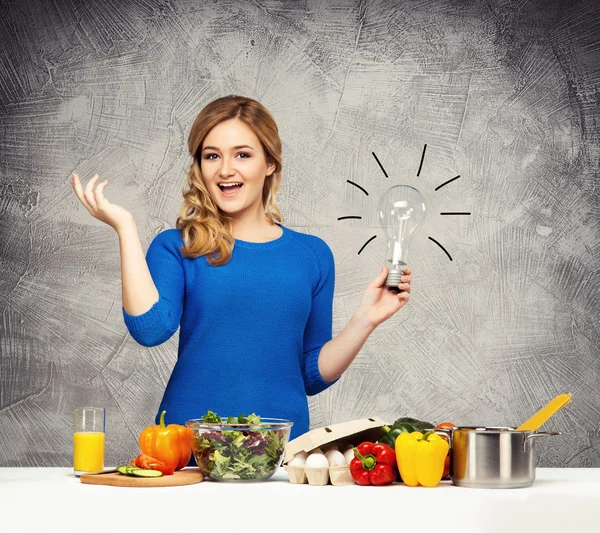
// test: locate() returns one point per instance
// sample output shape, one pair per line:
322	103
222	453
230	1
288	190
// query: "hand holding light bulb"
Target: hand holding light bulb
378	303
401	210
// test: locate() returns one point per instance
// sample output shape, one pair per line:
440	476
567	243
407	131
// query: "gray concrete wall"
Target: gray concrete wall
504	94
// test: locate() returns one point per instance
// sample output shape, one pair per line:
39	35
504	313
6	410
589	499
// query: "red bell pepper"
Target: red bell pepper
374	464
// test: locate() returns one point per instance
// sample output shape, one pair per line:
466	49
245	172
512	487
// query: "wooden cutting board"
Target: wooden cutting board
187	476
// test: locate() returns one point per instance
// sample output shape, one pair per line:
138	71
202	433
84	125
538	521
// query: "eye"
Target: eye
244	154
209	156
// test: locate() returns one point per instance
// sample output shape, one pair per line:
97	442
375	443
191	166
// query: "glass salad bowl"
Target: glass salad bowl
233	451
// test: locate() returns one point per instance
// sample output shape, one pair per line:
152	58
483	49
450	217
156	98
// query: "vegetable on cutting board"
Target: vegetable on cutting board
150	463
373	464
421	458
128	470
171	445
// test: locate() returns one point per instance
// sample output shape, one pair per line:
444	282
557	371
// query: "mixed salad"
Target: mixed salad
245	449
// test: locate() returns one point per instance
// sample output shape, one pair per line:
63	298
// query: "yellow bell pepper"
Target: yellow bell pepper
421	458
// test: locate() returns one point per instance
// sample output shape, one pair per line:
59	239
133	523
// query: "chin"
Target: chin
230	209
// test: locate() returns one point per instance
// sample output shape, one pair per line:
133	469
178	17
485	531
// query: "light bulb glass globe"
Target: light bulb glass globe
401	210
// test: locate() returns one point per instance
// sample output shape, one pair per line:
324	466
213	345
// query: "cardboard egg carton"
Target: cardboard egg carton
352	432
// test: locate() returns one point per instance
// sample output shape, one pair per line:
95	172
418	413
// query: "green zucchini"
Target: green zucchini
122	469
130	470
146	472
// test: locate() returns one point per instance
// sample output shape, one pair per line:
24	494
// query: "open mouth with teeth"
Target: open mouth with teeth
230	189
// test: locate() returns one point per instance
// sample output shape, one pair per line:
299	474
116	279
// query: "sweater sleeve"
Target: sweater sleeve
161	321
318	329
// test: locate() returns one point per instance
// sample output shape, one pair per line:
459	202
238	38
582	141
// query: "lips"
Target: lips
230	189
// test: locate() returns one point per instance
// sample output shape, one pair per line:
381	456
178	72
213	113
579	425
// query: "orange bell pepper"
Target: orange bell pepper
172	444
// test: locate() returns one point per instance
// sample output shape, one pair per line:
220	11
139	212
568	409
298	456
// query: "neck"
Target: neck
251	225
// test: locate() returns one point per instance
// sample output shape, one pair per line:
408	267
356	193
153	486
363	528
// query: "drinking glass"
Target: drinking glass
88	439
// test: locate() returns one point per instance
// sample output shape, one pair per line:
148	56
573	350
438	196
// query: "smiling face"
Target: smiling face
234	168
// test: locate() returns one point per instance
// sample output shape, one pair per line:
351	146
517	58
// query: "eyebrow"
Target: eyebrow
233	148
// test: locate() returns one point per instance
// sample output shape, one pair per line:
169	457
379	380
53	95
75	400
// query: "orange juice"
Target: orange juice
88	451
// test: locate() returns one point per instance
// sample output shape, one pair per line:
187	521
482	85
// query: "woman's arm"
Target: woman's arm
337	355
138	290
166	273
377	305
151	313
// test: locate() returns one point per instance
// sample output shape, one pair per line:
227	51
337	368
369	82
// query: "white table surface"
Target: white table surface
53	499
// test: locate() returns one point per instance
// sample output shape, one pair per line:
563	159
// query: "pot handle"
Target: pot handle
539	434
446	432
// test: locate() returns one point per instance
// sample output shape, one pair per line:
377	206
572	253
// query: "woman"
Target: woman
252	298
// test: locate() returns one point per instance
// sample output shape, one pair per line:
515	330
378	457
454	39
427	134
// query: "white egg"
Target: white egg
299	459
349	455
335	457
317	460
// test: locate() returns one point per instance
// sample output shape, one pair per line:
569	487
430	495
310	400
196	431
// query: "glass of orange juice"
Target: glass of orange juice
88	440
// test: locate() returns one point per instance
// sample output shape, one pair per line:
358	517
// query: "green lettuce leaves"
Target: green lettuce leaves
239	453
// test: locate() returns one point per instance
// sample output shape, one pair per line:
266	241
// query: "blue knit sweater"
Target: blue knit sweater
250	331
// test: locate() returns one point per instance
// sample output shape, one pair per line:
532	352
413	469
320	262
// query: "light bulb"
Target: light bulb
401	210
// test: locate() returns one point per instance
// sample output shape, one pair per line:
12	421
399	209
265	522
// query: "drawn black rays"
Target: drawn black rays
443	213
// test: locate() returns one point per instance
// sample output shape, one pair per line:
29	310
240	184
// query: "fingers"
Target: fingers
88	192
403	298
76	183
101	201
404	287
91	199
380	279
404	284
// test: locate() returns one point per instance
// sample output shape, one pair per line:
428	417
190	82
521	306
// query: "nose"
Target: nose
226	168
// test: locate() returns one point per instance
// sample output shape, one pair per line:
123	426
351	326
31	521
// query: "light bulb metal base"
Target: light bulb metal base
393	278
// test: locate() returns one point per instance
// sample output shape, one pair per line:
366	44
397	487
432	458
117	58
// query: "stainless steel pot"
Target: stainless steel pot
492	457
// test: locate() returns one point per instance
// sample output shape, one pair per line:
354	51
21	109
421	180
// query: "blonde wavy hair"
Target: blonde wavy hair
206	230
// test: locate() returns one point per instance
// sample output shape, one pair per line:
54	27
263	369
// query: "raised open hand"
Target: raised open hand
379	303
97	205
